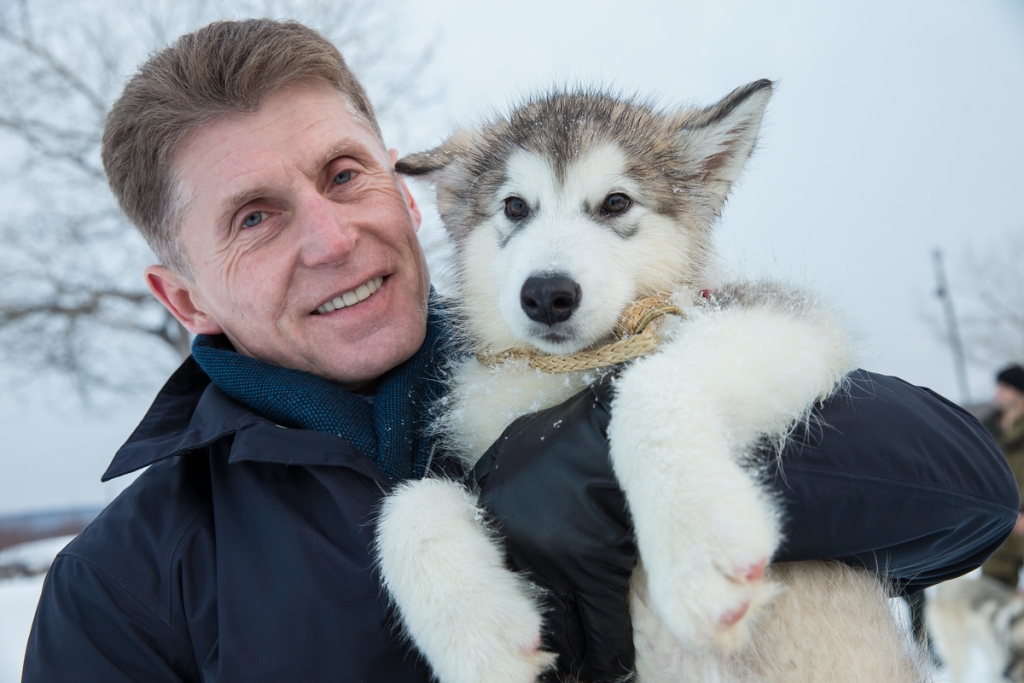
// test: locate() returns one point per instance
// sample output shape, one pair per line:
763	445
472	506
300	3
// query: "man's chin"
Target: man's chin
356	365
370	371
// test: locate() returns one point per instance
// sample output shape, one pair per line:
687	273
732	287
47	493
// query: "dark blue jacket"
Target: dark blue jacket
244	552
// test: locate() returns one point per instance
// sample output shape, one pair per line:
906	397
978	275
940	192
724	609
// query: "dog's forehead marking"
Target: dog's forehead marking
584	181
529	175
593	175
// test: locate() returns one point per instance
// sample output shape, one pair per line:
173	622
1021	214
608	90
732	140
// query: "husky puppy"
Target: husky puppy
563	214
979	612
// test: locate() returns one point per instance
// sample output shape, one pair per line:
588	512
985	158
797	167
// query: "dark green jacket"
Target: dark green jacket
1012	444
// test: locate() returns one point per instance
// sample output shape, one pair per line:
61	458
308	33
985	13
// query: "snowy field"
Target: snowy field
19	594
18	598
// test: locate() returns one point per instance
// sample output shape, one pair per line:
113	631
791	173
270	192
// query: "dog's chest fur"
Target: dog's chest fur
484	400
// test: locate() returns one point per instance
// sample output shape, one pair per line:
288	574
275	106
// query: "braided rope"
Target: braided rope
637	337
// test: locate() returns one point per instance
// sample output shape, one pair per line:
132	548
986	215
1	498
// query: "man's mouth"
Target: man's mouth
358	294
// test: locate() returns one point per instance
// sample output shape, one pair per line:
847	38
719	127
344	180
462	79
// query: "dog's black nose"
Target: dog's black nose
550	298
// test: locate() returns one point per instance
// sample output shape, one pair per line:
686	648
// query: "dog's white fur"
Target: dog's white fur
686	421
427	525
966	613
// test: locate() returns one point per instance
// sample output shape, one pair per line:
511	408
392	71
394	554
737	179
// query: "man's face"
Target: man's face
288	209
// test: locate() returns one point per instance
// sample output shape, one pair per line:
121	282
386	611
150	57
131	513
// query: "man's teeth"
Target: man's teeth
355	296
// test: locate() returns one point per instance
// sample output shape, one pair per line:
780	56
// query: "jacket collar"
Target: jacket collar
189	414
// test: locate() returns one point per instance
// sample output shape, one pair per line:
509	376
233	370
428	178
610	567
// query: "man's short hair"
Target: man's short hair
229	66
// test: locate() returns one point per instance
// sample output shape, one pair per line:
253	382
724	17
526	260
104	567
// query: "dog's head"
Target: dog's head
579	203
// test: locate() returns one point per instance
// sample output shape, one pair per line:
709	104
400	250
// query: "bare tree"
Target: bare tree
987	285
991	295
72	300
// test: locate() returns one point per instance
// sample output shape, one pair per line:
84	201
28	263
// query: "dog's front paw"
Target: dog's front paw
715	604
472	618
499	644
705	549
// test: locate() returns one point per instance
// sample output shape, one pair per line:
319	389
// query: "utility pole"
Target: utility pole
953	332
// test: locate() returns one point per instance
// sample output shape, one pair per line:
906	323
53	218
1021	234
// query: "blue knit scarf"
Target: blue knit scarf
393	431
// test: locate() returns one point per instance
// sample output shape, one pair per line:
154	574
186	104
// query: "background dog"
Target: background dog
563	214
966	613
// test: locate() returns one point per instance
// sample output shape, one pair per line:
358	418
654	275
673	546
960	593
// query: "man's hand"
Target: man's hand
549	484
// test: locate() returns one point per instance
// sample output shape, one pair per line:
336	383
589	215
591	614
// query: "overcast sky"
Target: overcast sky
896	128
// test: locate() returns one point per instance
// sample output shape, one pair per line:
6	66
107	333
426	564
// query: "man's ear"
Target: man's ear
178	296
410	200
717	141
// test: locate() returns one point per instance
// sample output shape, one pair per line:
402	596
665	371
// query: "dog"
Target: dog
563	214
981	612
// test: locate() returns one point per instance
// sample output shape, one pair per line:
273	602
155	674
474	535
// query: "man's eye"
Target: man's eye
343	177
254	219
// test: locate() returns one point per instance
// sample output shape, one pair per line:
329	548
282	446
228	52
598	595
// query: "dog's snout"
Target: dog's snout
550	298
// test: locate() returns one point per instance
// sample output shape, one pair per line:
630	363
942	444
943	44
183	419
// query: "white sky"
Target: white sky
896	128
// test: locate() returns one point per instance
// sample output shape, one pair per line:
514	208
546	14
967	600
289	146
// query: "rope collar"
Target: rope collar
636	332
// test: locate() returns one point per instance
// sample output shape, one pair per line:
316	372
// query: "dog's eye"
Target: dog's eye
616	203
516	208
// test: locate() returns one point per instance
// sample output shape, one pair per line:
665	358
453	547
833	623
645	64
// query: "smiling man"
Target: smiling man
250	159
301	239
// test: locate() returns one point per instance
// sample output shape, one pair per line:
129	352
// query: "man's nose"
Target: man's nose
327	237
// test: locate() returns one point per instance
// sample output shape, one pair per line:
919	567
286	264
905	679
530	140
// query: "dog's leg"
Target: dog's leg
472	618
682	423
704	527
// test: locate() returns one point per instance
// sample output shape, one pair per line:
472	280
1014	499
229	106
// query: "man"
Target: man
1006	424
249	158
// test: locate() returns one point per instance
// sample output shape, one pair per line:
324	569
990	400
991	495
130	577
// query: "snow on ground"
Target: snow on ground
18	598
32	558
25	565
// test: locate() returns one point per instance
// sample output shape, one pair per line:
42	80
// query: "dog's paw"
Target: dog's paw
526	666
716	606
473	619
495	656
503	646
707	578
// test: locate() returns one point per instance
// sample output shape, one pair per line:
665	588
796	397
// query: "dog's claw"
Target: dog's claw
756	572
532	647
734	615
748	573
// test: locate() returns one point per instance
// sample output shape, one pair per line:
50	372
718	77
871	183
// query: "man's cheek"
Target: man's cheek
259	285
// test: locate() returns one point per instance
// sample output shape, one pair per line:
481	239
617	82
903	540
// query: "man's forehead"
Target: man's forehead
234	197
301	125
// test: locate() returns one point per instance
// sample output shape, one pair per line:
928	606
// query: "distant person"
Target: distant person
1007	426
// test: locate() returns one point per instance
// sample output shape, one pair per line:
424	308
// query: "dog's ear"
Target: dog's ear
717	141
427	164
